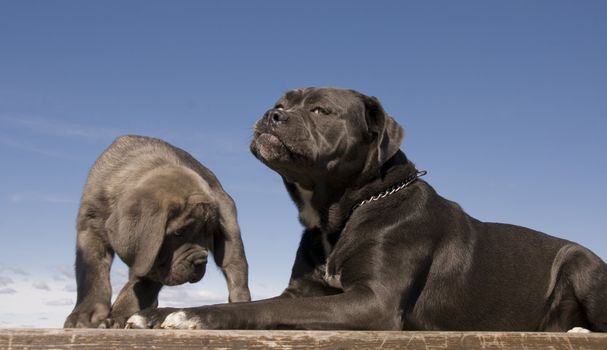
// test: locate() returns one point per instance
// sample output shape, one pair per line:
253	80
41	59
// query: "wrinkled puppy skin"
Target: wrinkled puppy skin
161	212
410	260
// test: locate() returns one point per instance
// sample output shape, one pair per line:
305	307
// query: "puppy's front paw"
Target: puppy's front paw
149	318
87	315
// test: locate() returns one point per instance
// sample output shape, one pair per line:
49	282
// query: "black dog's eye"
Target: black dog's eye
177	232
320	110
279	107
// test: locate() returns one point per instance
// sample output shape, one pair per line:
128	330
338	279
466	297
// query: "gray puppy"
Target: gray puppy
161	211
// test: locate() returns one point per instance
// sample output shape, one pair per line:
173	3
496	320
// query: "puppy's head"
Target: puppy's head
163	227
326	133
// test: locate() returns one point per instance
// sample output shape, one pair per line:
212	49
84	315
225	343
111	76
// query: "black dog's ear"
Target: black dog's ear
386	132
228	251
136	230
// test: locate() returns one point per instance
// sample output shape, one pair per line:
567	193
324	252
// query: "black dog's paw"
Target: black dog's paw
87	315
182	319
167	318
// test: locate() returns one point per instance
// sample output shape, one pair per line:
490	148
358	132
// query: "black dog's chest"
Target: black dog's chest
331	277
333	251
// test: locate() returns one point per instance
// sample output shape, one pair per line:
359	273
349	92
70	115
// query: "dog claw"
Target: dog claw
578	330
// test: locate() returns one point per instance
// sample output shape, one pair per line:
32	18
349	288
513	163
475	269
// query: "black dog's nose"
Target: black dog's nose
276	116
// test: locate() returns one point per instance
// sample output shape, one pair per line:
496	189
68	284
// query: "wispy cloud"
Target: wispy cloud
20	145
33	299
64	272
30	129
5	281
25	197
70	287
15	270
59	128
41	286
59	302
183	296
44	298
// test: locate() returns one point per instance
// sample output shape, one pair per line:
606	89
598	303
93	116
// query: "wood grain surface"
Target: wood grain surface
201	339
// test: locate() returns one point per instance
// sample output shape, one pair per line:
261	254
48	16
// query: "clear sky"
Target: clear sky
503	102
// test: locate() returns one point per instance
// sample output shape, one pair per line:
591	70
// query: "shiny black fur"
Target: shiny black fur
410	261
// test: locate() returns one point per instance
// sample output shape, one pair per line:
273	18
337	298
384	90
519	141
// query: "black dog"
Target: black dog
382	250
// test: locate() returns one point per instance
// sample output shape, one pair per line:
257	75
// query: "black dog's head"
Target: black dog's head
163	227
325	133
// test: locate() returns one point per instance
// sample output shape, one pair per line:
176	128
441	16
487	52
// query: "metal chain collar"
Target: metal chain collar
393	189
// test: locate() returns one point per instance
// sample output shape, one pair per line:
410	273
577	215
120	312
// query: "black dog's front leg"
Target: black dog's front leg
356	309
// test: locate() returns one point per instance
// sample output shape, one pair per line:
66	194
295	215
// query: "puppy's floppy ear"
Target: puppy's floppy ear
137	229
228	251
387	133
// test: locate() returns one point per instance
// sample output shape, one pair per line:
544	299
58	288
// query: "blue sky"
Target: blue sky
504	103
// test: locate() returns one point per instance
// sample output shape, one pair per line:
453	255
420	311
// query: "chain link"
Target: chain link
393	189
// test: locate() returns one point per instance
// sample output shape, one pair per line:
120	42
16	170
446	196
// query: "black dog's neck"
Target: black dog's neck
395	170
328	206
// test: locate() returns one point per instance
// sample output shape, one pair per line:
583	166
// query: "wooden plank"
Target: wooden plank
201	339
